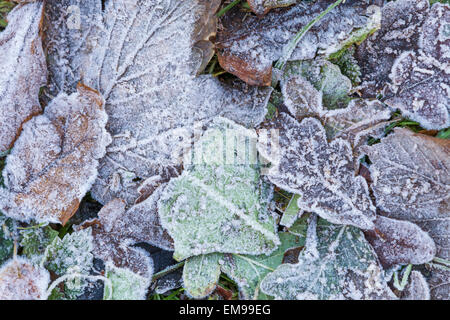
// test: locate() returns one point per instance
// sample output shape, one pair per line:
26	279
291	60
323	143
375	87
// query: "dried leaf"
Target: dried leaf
420	79
21	280
116	231
248	47
400	242
54	161
321	172
219	204
145	59
411	181
337	264
23	71
417	288
261	7
400	24
125	284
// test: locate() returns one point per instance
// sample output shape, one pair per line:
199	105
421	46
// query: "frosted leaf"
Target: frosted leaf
400	25
321	172
439	283
7	230
261	7
35	240
71	28
219	204
341	266
21	280
143	57
163	261
54	162
292	212
23	70
420	79
417	288
326	78
248	271
400	242
116	231
201	274
125	284
411	181
249	45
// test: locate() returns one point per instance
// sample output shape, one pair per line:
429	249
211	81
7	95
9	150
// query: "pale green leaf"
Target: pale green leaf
124	284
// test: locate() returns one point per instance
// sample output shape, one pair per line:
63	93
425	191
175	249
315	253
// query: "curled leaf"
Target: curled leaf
54	162
23	71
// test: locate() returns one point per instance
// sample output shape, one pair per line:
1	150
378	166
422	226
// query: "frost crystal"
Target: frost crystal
125	284
201	274
400	242
145	59
321	172
220	203
337	264
21	280
249	45
117	229
22	70
54	162
411	182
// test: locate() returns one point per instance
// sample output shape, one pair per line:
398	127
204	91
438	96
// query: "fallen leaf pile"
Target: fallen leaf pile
260	149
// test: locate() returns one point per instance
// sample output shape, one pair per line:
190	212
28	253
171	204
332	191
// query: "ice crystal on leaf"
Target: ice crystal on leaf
248	47
23	70
219	204
124	284
337	263
321	172
411	181
201	274
21	280
34	241
400	242
145	62
117	229
54	161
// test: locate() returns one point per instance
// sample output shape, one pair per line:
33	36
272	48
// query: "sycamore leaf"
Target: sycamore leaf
321	172
248	46
420	79
54	161
35	240
261	7
23	70
411	181
145	61
219	204
417	288
117	229
201	274
21	280
337	263
400	242
400	25
125	284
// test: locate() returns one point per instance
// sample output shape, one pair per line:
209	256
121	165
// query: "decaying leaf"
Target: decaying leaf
70	35
21	280
417	288
220	203
421	78
201	274
248	47
54	161
337	263
116	231
400	25
400	242
411	181
23	70
125	284
145	61
321	172
261	7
